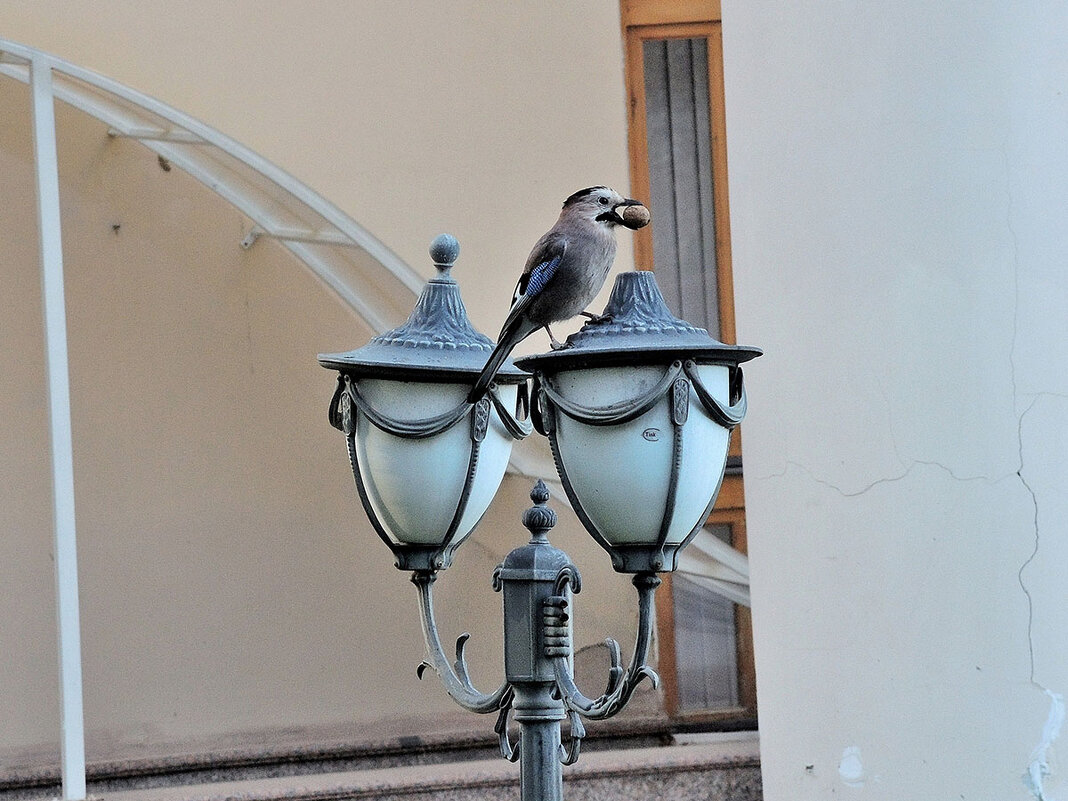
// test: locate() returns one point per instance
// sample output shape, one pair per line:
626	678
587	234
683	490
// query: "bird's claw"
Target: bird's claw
554	343
597	318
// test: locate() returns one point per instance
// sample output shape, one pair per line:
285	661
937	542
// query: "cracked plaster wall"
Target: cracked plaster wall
898	184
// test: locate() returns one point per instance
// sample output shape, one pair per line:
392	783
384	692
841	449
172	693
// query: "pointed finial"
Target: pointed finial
539	518
444	250
540	493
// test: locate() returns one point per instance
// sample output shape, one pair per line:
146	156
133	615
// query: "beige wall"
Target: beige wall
229	581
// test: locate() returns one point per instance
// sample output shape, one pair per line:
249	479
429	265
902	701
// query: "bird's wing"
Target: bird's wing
541	266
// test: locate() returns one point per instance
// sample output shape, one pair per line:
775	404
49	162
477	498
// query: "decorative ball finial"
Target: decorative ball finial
444	250
539	518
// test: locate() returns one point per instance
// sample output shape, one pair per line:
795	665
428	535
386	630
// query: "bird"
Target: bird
564	272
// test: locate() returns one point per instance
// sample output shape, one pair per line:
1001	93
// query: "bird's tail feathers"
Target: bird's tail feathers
508	340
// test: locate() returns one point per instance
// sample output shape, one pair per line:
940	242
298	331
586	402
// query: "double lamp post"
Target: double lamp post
638	409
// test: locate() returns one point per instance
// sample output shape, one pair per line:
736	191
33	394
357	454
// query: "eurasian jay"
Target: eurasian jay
564	271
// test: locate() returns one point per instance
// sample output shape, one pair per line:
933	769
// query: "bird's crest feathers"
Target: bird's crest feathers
577	196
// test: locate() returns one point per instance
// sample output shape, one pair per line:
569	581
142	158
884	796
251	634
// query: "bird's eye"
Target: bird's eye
604	201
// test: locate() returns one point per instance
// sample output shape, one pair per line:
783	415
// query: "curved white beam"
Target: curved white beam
378	285
365	274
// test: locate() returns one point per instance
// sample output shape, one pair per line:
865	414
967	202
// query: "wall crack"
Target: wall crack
1038	768
1034	551
949	471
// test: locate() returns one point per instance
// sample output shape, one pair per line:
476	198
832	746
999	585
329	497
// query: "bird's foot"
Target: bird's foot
596	318
554	343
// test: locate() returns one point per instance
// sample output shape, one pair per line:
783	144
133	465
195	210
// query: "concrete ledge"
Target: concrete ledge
116	767
720	768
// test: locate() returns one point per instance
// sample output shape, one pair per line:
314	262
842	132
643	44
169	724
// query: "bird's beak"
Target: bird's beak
632	213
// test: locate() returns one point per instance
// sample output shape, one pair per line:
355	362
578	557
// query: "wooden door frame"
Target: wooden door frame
644	20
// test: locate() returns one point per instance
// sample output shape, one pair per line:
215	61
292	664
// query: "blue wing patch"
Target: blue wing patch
541	275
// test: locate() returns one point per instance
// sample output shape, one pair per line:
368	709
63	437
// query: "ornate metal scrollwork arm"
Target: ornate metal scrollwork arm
570	754
508	751
454	677
621	684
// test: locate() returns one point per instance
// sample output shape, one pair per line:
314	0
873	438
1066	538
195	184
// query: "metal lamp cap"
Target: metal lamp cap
437	342
637	328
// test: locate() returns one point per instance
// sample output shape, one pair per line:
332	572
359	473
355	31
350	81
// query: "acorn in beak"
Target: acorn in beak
633	214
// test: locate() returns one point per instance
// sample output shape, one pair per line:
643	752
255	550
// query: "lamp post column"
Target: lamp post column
529	576
539	715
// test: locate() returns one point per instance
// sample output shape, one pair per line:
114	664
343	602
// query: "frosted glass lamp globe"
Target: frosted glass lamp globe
427	462
639	407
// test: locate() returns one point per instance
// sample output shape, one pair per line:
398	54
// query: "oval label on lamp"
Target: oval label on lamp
651	434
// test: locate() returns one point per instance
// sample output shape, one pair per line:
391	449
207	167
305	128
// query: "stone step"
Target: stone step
707	768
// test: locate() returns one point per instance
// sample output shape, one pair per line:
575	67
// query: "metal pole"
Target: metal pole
538	715
528	577
66	557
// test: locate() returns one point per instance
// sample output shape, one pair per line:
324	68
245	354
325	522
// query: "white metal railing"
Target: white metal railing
72	737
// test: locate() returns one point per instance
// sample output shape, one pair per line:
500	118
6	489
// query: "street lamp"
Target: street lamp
638	408
426	462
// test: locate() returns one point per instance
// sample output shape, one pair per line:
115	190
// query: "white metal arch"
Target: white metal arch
367	275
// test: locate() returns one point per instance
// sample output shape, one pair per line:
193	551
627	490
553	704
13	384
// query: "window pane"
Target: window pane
706	646
678	132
